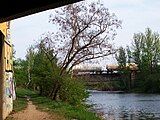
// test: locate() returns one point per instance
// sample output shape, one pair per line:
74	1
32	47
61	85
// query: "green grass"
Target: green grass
21	101
19	104
23	93
64	109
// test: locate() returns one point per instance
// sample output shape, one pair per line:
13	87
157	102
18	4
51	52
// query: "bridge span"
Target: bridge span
102	77
97	76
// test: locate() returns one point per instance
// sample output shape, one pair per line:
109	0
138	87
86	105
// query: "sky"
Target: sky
136	16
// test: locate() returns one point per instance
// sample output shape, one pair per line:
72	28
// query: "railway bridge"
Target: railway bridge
92	76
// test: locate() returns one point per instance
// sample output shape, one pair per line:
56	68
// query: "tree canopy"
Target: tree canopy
84	33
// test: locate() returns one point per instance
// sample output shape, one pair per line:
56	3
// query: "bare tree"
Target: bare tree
84	33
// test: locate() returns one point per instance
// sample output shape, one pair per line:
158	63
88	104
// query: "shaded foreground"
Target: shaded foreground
47	109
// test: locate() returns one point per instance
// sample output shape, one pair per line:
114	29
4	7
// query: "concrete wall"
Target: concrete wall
8	57
7	92
2	71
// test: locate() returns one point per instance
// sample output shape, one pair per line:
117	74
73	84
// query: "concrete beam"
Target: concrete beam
13	9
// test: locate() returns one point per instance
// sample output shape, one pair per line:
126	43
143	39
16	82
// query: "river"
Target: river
126	106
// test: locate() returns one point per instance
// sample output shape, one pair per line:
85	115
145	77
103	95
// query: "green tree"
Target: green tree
30	62
42	74
84	31
146	50
83	34
129	55
146	53
20	72
121	57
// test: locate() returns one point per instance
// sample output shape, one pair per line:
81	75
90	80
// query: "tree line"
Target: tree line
145	52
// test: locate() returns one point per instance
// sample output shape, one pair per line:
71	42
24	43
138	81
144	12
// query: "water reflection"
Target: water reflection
126	106
125	115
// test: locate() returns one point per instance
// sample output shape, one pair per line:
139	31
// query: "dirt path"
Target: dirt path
31	113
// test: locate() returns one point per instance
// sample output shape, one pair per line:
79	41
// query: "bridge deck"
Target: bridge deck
96	77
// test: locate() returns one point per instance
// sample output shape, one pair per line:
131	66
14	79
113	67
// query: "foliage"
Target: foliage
45	74
23	92
80	112
84	31
145	52
149	83
30	62
20	72
83	34
121	57
64	109
129	55
73	91
42	74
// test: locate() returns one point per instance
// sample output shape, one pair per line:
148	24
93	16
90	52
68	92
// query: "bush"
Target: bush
72	91
149	83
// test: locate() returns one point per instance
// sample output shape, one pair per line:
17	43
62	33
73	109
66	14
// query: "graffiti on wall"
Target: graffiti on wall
9	93
9	86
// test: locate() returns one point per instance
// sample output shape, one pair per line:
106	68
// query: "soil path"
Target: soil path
31	113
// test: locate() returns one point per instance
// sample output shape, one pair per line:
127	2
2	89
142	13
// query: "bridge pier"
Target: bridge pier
2	71
132	78
7	92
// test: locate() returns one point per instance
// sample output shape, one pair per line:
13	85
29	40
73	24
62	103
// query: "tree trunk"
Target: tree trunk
56	90
41	90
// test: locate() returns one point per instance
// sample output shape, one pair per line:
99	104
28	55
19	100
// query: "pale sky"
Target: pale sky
136	15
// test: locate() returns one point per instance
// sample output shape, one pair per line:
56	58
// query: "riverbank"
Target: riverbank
60	108
118	91
133	91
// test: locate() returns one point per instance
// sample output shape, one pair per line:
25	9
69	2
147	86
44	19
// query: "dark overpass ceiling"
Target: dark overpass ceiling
12	9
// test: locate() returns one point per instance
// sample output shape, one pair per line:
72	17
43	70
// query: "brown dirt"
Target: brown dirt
31	113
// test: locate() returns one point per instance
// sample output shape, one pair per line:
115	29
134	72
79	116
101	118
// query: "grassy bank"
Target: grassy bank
21	101
64	109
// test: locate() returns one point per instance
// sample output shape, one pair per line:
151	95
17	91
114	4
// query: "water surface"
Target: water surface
122	106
